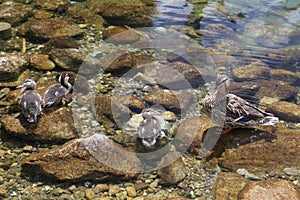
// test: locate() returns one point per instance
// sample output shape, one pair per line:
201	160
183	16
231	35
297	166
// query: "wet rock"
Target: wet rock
180	102
228	185
41	61
113	189
129	12
126	61
285	76
68	59
60	43
125	35
13	83
42	14
93	158
11	65
291	171
189	134
115	111
255	70
5	30
57	126
257	156
58	5
276	189
14	13
89	194
131	191
275	90
174	172
175	76
45	29
85	16
285	110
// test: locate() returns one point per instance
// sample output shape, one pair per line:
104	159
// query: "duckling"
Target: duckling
232	111
30	101
150	128
57	92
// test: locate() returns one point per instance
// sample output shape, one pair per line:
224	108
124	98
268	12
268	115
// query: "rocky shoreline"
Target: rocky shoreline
86	149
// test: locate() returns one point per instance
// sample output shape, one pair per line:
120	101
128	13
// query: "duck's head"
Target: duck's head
28	84
63	79
222	82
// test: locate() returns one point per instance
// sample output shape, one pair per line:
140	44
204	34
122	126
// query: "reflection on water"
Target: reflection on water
171	12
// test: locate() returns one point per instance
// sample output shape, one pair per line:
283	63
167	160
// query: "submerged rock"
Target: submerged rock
94	158
177	103
174	172
255	70
126	35
11	65
232	186
114	111
60	43
228	185
45	29
285	110
57	126
270	189
257	156
285	76
14	13
275	89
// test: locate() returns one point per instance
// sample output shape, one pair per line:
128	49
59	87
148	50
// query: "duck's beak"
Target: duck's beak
20	86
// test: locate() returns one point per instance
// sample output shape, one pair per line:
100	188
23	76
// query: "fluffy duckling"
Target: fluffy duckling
30	101
232	111
150	128
57	92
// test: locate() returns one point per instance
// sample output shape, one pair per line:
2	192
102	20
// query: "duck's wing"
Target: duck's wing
238	108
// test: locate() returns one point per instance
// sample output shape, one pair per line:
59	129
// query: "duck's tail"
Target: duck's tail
268	121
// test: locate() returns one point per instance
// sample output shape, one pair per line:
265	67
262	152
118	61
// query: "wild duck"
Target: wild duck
57	92
30	101
231	111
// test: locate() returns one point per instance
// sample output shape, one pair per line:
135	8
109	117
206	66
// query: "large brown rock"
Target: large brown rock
228	185
255	70
189	134
41	61
59	5
94	158
68	59
259	155
285	76
285	110
14	13
128	12
45	29
174	171
57	126
275	89
116	110
270	189
177	102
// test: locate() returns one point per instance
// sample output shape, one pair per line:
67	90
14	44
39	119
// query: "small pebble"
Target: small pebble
89	194
113	189
131	191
